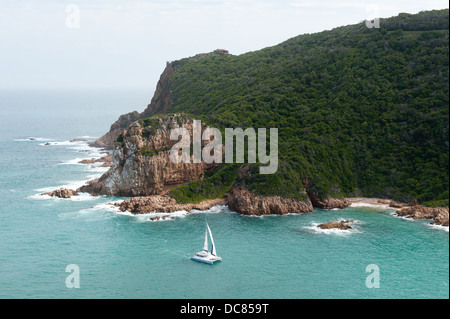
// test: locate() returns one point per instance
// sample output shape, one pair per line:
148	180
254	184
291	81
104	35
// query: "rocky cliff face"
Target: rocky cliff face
244	202
141	161
161	99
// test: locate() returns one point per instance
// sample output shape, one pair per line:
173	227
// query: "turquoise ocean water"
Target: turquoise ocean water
125	256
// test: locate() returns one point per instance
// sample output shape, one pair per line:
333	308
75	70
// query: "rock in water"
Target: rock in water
62	193
343	225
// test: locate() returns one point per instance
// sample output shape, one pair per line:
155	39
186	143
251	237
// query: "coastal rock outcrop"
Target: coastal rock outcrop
155	218
62	193
244	202
395	204
330	203
107	141
343	225
326	203
165	204
439	215
107	161
141	160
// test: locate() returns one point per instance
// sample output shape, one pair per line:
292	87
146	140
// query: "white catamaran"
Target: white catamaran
206	256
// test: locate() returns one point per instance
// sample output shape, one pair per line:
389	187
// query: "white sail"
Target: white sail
213	247
205	246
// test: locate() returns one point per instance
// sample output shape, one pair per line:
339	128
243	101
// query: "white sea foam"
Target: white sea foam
39	197
73	145
150	217
73	185
334	231
75	161
95	171
402	217
97	168
33	139
81	197
368	205
81	147
84	147
94	213
214	209
89	153
109	206
438	227
63	143
69	184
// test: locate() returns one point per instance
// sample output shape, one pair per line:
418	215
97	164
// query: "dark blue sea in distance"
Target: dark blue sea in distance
124	256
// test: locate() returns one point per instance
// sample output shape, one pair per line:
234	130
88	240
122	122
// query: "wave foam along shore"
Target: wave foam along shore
332	231
95	169
81	147
369	205
370	202
161	216
31	139
438	227
81	197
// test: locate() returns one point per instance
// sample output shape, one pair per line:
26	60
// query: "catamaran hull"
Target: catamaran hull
206	261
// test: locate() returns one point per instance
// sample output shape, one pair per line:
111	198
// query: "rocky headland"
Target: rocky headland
141	161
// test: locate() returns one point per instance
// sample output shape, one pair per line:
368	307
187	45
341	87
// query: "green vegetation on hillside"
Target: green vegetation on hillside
359	111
